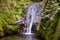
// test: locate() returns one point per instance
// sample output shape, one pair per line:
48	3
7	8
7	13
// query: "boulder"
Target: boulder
1	34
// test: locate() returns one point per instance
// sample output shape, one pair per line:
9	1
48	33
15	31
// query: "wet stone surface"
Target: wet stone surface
23	37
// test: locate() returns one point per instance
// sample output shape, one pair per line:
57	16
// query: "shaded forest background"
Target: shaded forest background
13	10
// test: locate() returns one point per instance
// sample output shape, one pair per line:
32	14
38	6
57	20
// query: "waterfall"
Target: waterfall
32	16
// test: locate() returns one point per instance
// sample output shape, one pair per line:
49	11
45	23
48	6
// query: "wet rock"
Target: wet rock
1	34
21	21
7	33
31	17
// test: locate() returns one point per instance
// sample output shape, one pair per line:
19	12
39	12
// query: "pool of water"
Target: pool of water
23	37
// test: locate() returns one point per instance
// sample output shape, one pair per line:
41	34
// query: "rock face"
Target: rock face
1	34
32	15
34	9
37	8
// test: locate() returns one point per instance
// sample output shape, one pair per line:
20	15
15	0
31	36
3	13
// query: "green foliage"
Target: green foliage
10	11
50	18
6	18
57	33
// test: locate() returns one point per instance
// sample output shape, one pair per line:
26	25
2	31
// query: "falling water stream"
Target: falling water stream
32	16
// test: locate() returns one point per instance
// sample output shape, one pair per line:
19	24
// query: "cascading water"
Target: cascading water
32	16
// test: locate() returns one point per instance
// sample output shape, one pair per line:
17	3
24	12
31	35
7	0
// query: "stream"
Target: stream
16	37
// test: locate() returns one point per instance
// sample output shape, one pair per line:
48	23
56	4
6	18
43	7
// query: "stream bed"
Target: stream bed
17	37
